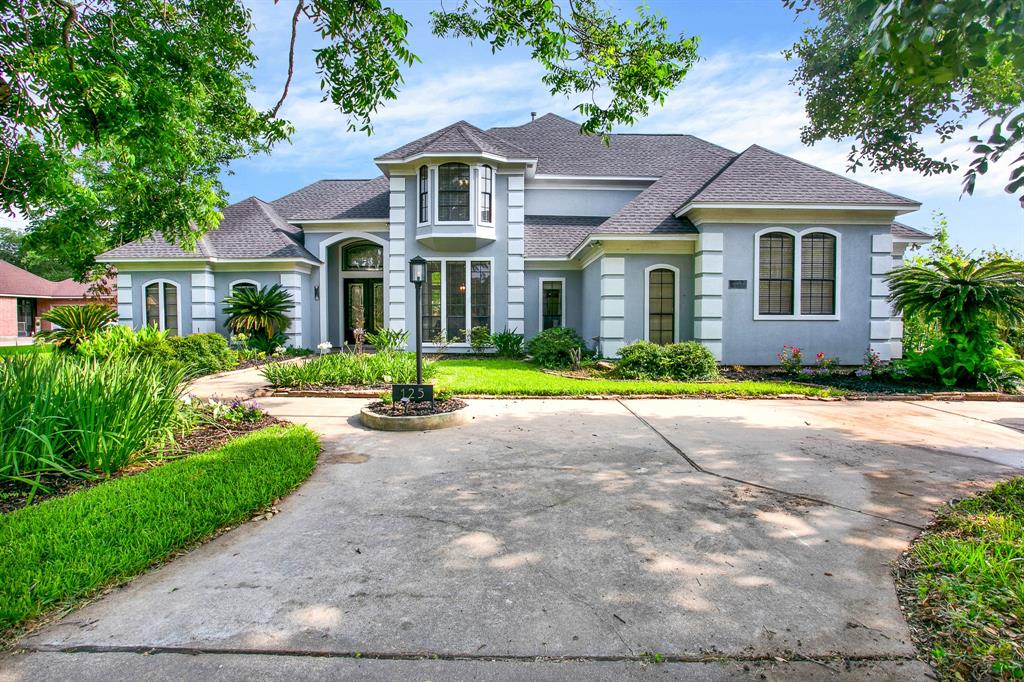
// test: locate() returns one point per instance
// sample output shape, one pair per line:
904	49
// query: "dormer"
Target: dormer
454	172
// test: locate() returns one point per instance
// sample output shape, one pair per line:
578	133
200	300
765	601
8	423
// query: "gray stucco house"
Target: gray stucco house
660	237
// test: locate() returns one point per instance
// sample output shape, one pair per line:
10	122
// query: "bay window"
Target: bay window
486	194
424	191
453	192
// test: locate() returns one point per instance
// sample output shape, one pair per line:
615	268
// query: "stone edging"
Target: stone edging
422	422
876	397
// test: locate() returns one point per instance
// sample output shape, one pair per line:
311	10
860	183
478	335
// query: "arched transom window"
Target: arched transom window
453	192
362	256
162	306
661	306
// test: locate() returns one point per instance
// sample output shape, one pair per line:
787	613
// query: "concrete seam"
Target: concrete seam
965	416
760	486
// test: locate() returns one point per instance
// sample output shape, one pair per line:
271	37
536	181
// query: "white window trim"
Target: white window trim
436	186
797	246
430	204
647	300
161	323
231	287
469	297
540	301
494	193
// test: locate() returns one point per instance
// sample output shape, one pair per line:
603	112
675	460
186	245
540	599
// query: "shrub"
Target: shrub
347	369
791	359
823	364
388	340
76	324
203	353
508	344
67	548
554	347
480	339
67	414
261	314
981	360
685	361
118	341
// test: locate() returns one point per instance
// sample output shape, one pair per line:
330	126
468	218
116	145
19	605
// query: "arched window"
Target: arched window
244	284
661	305
424	188
775	274
486	194
162	306
817	274
362	256
453	192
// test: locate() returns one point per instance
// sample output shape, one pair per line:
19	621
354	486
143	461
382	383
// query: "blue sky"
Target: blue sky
736	96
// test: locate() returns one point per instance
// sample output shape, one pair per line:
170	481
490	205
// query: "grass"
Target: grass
515	377
11	351
67	548
964	584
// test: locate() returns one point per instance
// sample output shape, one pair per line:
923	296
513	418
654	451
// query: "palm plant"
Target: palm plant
260	313
75	324
961	294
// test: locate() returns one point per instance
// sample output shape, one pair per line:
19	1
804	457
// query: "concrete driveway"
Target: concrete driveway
562	540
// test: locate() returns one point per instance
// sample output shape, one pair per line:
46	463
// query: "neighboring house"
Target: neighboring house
24	298
660	237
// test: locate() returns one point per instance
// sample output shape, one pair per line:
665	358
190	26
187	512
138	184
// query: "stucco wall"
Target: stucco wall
577	202
756	342
636	266
572	293
591	303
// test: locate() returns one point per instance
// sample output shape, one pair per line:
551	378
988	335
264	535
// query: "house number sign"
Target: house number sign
414	393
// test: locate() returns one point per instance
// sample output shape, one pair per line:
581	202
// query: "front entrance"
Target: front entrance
26	316
364	305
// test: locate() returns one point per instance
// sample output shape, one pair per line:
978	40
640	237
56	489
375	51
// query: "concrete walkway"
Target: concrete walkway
562	540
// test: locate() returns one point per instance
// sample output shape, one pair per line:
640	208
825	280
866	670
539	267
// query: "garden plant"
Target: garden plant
74	324
261	314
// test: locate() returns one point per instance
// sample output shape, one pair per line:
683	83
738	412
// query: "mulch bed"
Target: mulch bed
416	409
14	495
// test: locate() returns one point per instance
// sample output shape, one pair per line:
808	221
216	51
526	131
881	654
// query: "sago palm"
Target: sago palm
75	324
260	312
961	293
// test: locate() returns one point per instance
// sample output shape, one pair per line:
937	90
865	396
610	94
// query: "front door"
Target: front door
26	316
364	306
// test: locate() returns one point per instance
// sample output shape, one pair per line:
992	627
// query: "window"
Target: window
661	306
456	297
486	194
453	192
551	303
243	284
818	274
162	306
362	256
775	273
424	186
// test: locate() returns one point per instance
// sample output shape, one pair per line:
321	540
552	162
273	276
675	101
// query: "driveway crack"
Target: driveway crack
707	472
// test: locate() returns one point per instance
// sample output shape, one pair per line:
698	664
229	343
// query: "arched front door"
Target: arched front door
362	272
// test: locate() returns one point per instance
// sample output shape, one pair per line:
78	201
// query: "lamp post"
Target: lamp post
417	275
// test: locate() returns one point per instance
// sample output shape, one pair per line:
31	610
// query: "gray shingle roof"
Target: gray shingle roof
460	137
907	232
367	200
761	175
557	235
311	196
251	228
651	210
560	149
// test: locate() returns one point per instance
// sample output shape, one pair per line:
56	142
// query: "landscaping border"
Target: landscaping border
422	422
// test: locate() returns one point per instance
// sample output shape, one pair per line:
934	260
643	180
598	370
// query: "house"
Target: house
659	237
24	298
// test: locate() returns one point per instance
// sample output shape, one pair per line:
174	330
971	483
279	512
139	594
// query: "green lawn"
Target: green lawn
515	377
965	585
7	351
67	548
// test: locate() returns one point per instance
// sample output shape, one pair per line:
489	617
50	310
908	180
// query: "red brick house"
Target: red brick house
24	297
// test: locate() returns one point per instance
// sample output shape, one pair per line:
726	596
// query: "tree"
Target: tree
10	246
117	116
262	313
890	73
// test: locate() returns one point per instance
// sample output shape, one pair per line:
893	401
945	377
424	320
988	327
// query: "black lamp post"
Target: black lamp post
417	275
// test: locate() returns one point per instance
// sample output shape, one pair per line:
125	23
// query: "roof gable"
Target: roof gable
458	138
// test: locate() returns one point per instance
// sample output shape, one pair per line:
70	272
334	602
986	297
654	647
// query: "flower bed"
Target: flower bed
416	409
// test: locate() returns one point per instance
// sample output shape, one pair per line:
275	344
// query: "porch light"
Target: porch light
417	269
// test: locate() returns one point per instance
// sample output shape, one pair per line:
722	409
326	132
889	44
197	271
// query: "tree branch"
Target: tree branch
291	57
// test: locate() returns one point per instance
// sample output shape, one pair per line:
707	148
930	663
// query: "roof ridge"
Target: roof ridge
714	176
825	170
